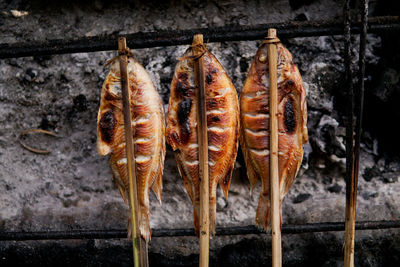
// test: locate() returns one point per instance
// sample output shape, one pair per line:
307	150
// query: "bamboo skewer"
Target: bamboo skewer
203	152
348	243
352	182
274	170
140	257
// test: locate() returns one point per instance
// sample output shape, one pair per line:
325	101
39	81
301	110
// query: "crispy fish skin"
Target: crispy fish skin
148	125
222	127
292	125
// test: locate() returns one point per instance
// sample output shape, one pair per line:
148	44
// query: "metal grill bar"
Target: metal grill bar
226	231
181	37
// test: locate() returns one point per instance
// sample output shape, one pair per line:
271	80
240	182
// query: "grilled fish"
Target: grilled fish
292	125
148	136
222	127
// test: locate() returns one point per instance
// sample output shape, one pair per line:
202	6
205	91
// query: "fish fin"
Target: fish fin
251	174
226	182
144	225
129	228
117	181
122	192
186	181
263	212
253	177
157	184
290	172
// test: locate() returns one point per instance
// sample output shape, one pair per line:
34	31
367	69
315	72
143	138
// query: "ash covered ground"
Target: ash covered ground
71	188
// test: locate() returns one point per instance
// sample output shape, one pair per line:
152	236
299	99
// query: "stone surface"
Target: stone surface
71	188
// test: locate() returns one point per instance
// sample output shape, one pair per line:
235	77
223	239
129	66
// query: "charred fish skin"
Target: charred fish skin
292	125
148	123
222	127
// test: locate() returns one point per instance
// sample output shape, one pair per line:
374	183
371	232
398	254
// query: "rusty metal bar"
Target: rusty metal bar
221	231
183	37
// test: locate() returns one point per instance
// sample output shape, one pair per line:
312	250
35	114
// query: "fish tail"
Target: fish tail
144	226
263	212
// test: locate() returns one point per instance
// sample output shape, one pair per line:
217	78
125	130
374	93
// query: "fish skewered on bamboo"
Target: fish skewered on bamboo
292	126
222	111
148	124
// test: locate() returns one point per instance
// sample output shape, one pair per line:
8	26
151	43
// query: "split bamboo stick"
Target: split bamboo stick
351	187
274	168
140	257
203	152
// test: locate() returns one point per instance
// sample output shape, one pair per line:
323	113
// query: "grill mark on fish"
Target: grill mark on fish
215	119
122	161
184	89
111	97
183	118
193	145
217	129
142	158
290	82
107	126
183	85
141	140
209	79
256	115
216	103
192	163
216	111
257	133
122	145
142	119
289	116
259	152
214	148
254	94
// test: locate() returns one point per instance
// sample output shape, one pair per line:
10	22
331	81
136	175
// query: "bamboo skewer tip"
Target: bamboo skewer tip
198	39
121	43
271	33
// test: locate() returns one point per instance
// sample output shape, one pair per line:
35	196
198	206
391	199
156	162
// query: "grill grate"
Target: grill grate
221	231
184	37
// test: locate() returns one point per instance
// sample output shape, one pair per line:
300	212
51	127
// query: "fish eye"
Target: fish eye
262	58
